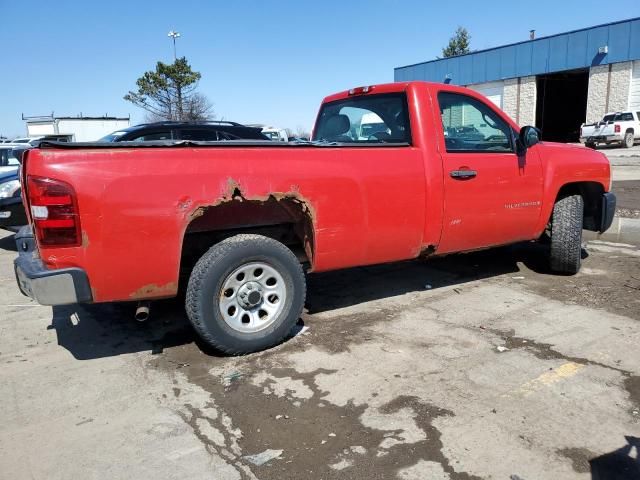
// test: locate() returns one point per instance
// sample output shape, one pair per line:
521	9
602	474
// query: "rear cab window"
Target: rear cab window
365	120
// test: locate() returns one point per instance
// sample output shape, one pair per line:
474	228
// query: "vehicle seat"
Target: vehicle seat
336	128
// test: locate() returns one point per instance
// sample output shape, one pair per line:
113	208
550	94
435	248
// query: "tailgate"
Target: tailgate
601	130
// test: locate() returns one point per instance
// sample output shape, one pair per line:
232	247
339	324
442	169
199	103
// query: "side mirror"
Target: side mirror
528	137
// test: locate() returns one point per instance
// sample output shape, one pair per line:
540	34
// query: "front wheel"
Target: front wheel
566	234
245	294
590	145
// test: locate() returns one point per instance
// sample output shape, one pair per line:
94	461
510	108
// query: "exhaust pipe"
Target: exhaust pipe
142	312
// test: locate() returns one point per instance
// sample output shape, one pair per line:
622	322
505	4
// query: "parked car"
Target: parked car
615	127
237	223
8	159
196	131
41	138
12	214
272	133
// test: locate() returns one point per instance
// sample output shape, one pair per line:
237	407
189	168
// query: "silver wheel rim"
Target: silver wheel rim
252	297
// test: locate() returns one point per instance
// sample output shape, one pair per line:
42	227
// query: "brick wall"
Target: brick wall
510	97
617	81
527	107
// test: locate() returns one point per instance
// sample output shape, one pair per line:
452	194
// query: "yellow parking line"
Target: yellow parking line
549	378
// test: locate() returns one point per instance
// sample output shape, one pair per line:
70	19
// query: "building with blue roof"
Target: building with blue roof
556	82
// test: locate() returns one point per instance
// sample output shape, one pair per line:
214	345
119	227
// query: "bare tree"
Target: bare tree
198	108
302	132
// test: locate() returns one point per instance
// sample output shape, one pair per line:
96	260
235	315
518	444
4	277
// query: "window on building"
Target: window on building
472	126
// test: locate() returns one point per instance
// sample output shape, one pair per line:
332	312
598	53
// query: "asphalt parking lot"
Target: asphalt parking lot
472	366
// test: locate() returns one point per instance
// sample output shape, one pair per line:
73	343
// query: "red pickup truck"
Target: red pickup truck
436	169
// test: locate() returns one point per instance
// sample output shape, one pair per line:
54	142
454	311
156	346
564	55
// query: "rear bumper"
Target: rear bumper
608	210
47	287
602	138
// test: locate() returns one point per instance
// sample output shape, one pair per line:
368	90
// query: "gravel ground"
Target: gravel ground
628	198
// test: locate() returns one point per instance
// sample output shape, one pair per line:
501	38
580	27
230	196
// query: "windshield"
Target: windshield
367	119
112	137
611	118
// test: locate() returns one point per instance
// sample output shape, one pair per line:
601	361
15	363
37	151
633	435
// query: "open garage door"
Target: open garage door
561	104
634	89
492	90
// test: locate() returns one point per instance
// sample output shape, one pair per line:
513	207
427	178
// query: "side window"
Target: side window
627	117
228	136
199	135
153	136
472	126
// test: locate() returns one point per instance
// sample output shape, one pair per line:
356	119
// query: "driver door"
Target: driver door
491	196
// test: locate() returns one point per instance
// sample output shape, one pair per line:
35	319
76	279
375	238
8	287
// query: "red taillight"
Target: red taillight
54	211
616	128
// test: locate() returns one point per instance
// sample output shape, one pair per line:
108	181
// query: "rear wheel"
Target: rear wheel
245	294
590	145
628	140
566	234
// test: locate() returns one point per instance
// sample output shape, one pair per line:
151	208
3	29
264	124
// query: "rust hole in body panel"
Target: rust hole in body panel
285	216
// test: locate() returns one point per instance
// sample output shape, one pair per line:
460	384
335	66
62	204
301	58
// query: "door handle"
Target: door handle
463	174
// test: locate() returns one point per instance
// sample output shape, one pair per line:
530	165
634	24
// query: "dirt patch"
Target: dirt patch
431	448
607	281
628	198
579	458
632	386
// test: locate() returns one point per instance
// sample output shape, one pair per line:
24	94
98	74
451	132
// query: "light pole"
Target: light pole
173	34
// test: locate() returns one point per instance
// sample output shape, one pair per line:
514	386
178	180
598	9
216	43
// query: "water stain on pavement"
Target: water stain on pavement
271	408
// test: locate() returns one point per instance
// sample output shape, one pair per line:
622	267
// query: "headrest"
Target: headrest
337	125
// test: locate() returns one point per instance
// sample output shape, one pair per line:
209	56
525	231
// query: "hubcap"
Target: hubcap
252	297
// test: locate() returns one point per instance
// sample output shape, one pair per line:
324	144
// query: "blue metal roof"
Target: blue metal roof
555	53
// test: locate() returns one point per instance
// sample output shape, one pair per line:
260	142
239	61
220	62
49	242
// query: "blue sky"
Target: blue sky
266	62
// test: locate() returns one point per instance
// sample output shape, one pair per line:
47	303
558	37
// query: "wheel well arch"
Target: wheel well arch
591	193
629	130
286	218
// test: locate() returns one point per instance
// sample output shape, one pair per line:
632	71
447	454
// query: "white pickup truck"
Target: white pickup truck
622	127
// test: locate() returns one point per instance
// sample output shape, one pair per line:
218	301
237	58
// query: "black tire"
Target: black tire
590	145
566	235
628	140
208	277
